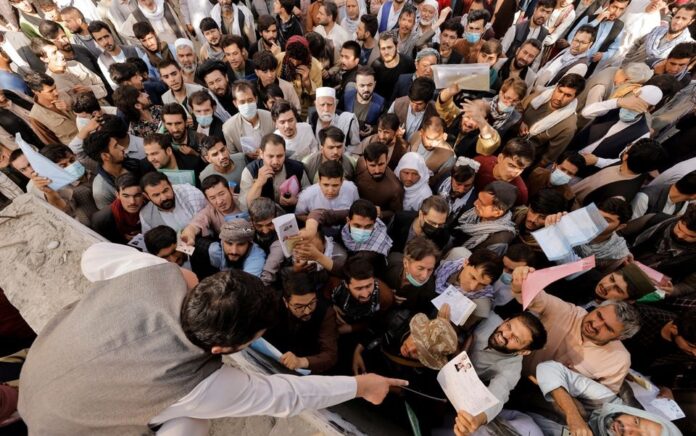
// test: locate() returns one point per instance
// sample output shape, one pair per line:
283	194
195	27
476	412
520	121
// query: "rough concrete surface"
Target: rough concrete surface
40	253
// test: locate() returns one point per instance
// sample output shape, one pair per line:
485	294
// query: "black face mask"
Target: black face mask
432	232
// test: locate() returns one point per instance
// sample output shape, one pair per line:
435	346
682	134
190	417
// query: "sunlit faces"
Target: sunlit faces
62	41
361	34
421	270
171	255
150	42
176	126
22	165
326	108
270	35
409	177
510	167
486	58
377	168
219	156
217	82
161	195
417	106
104	39
116	152
473	279
612	287
475	26
287	124
213	36
683	234
323	18
509	97
511	336
267	77
424	66
131	198
408	348
541	14
406	23
385	135
171	76
54	58
48	94
186	58
143	102
274	156
675	67
302	306
581	43
432	137
365	85
234	57
352	9
447	39
468	124
616	9
601	325
361	290
681	20
525	55
348	60
534	220
427	14
561	97
158	156
332	150
460	189
330	186
23	5
485	206
630	425
387	50
361	222
567	168
203	109
220	196
235	251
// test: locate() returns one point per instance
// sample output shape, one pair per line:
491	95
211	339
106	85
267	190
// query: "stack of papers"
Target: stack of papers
646	394
536	281
286	229
460	306
463	387
577	228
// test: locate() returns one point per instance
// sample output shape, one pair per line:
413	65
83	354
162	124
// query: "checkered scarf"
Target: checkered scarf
449	267
379	241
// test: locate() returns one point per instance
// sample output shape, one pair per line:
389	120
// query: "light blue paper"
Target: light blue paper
267	349
44	166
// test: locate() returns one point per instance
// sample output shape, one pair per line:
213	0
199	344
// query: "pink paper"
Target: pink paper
654	275
291	185
540	279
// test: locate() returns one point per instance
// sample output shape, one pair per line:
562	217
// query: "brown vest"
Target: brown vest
107	364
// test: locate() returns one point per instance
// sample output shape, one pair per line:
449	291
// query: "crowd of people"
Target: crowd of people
190	125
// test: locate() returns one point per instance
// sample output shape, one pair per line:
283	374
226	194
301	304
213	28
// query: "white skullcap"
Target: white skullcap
431	3
650	94
181	42
325	91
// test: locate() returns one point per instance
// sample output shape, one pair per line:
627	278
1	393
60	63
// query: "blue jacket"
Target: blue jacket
373	113
253	263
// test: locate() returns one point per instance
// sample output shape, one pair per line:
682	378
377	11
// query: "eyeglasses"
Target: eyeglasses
304	307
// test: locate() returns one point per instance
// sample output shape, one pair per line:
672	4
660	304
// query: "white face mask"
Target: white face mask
248	110
81	123
559	178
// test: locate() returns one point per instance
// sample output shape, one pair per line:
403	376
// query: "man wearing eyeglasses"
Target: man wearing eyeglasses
306	332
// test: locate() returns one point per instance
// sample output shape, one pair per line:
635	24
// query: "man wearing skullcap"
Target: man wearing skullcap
236	249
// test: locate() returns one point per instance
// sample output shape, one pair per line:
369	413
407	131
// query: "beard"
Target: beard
190	68
167	204
492	343
377	177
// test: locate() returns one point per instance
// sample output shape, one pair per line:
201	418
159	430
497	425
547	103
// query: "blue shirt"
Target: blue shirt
13	82
602	34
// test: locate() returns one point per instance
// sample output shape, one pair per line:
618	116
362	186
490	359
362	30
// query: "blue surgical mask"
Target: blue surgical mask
248	110
75	169
360	235
502	107
204	120
472	38
559	178
412	280
506	278
628	116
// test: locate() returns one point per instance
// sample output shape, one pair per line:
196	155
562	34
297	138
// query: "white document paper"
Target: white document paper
463	387
286	228
473	77
578	227
648	398
180	177
138	241
267	349
249	144
45	167
460	306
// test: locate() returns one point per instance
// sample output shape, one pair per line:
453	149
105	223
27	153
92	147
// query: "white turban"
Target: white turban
326	92
650	94
181	42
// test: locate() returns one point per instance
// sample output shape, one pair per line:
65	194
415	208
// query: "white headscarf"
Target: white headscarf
351	26
414	195
155	15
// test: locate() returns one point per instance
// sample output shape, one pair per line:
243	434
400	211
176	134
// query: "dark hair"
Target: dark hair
374	150
121	72
126	180
56	152
317	45
273	90
114	126
689	217
686	325
645	155
228	309
547	202
153	178
200	97
533	42
228	40
174	109
298	51
265	22
331	9
433	122
668	84
371	24
359	268
265	61
331	169
271	138
139	65
282	106
421	247
209	142
616	206
422	89
453	24
262	209
519	149
210	66
586	28
242	85
125	98
408	10
436	203
208	23
388	36
158	238
333	133
550	4
462	173
97	25
687	6
212	181
389	121
479	14
573	81
363	207
288	5
36	81
574	158
687	184
164	141
298	283
537	329
49	29
166	62
142	28
15	154
95	144
354	47
85	102
488	261
521	253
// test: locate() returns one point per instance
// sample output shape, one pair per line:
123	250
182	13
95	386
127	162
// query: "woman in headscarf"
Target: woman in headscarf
414	175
